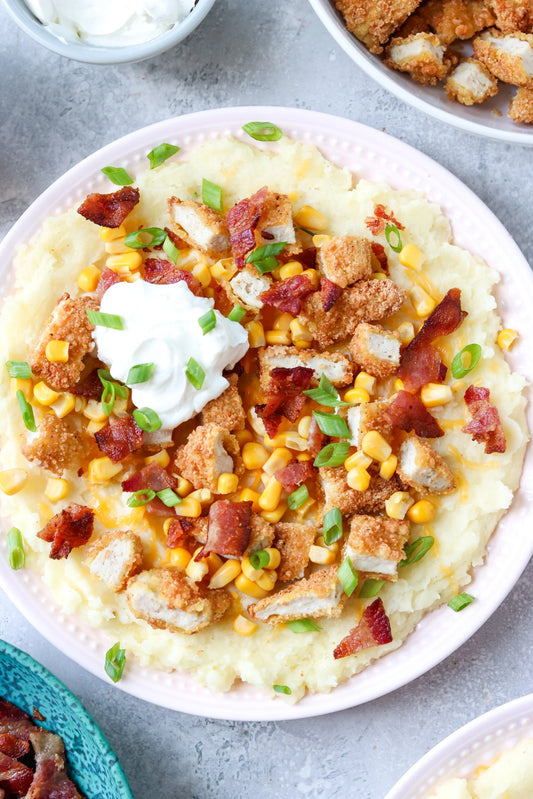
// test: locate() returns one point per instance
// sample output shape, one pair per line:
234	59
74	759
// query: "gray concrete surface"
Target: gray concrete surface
53	113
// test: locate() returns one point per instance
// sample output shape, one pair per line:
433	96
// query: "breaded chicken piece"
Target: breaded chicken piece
509	57
56	446
275	223
208	452
422	468
365	417
334	365
521	108
366	301
248	284
512	15
200	226
226	410
319	595
168	600
115	557
225	299
449	19
375	349
376	544
197	529
338	494
345	260
422	55
471	82
67	322
373	23
294	541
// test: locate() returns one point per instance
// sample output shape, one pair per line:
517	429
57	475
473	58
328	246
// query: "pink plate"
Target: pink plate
373	155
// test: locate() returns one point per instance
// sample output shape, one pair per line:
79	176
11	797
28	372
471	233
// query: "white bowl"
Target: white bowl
488	119
95	54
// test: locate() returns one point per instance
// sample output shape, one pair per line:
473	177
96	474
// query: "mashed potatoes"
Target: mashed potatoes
465	519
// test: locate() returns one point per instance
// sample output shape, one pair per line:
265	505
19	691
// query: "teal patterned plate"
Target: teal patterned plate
92	764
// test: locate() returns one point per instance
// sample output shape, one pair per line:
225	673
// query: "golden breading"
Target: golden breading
338	494
506	56
521	108
422	55
334	365
375	349
375	545
200	226
422	468
374	23
512	15
168	600
449	19
198	531
56	446
294	541
208	452
115	557
319	595
365	417
276	220
67	322
226	410
366	301
345	260
471	82
262	534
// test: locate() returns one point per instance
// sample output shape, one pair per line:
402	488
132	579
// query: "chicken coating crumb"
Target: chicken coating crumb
115	557
275	223
200	226
67	322
294	541
334	365
375	349
449	19
345	260
56	446
338	494
226	410
509	57
262	534
512	15
319	595
470	83
521	108
422	55
422	468
373	23
208	452
365	417
375	545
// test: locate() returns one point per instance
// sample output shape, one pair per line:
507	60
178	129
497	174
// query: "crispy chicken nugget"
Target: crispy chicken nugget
423	55
449	19
56	446
508	56
521	109
471	82
374	23
512	15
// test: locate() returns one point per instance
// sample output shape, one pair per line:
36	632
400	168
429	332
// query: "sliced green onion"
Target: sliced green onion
108	397
298	497
332	454
460	601
259	560
159	154
208	321
237	313
140	498
115	660
370	588
282	689
139	373
332	526
15	548
20	369
171	250
117	175
147	419
265	251
416	550
332	425
195	374
262	131
105	377
212	195
105	319
266	265
394	240
306	230
473	353
134	240
27	411
326	394
348	576
169	497
303	626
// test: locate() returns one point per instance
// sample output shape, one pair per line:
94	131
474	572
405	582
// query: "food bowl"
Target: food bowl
96	54
92	764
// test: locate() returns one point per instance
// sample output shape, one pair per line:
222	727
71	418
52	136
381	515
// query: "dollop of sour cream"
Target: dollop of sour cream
109	23
160	326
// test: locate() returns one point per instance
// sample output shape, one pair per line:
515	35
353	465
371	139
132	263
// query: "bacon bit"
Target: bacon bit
178	242
10	712
242	221
158	270
178	533
377	223
287	295
286	385
306	257
153	477
373	630
72	527
158	508
485	425
110	210
408	412
442	321
89	387
228	530
271	422
294	475
330	293
107	279
15	777
50	780
316	439
13	746
379	251
119	438
420	365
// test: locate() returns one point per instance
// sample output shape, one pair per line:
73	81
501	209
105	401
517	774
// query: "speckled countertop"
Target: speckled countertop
55	112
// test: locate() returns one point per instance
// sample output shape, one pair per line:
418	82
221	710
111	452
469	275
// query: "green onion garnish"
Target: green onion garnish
20	369
332	526
282	689
332	454
370	588
108	397
332	425
169	497
139	373
459	367
15	547
326	394
134	240
171	250
305	230
115	660
259	560
303	626
117	175
212	195
298	497
263	258
348	576
159	154
416	550
147	419
195	374
208	321
140	498
27	411
460	601
120	390
105	319
394	240
237	313
262	131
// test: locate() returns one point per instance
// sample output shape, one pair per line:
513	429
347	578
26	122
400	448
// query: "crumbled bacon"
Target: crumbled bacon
158	508
379	251
443	320
294	475
161	271
408	412
271	422
89	386
12	745
107	279
373	630
109	210
229	529
119	438
72	527
176	240
284	391
287	295
420	365
485	425
330	293
307	257
50	780
15	777
178	533
377	223
316	439
242	221
152	477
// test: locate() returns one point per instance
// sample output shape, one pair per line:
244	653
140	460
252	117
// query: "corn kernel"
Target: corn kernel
120	407
189	507
271	495
243	437
248	570
101	470
274	516
12	481
295	441
116	247
302	510
309	217
80	403
130	261
398	385
388	467
94	411
224	269
45	511
366	382
299	331
254	455
375	446
304	426
313	276
202	273
162	458
56	489
111	233
379	276
277	441
63	405
422	302
433	394
412	257
278	337
94	426
357	395
203	495
358	479
301	343
406	332
196	570
88	278
249	588
268	580
244	626
321	555
290	269
304	456
225	574
422	512
358	460
319	541
227	483
179	558
320	239
506	338
214	562
278	460
283	321
26	386
275	558
397	505
256	334
184	487
44	395
249	495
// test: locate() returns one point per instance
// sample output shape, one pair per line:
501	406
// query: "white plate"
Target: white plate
476	744
374	155
487	119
